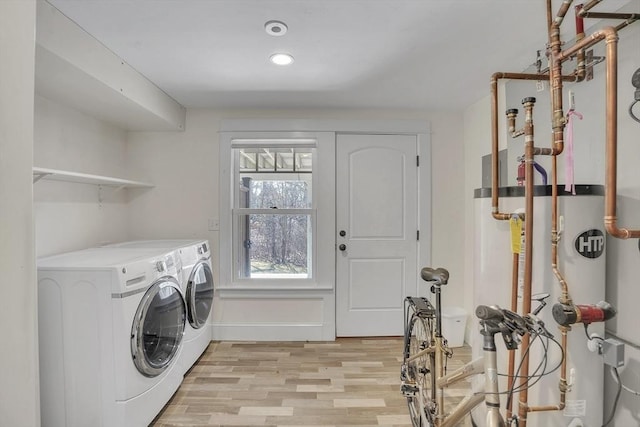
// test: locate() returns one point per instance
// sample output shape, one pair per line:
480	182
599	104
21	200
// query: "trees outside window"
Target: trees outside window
274	215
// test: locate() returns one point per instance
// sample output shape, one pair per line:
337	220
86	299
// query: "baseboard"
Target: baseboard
273	332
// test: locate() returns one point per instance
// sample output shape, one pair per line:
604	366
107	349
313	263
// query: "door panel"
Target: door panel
376	198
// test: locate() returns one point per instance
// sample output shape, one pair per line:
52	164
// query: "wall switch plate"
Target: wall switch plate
213	224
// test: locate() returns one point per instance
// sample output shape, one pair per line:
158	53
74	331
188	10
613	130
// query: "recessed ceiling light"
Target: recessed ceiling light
281	58
275	28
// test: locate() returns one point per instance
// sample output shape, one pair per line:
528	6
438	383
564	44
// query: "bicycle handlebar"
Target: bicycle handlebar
484	312
503	319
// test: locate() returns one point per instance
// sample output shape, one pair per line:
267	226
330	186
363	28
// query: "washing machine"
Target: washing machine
111	326
196	279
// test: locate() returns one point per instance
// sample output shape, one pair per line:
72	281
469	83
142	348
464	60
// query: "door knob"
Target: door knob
342	247
342	233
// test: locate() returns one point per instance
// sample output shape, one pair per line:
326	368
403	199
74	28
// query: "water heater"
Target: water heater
581	252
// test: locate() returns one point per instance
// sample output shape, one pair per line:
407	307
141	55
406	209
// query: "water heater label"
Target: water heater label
590	244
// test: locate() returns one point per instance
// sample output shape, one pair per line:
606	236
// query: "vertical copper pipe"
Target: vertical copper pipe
564	298
528	255
563	368
514	307
564	8
555	71
555	234
611	147
580	60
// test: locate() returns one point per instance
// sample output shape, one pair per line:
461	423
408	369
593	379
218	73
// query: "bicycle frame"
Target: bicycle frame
486	365
482	365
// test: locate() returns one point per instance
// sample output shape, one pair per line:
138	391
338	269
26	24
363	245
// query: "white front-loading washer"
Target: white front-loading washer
194	262
111	326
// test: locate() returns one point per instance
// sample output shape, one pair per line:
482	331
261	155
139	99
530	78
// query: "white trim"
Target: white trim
424	209
273	332
370	127
278	211
274	142
323	212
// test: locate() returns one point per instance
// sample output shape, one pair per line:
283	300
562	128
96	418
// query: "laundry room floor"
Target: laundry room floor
350	381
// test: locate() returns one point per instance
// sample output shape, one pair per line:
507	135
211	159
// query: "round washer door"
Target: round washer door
158	327
199	294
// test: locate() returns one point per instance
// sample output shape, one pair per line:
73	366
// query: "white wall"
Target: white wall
71	216
19	388
622	256
184	168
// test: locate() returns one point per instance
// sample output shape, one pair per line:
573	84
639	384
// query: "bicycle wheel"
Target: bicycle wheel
418	372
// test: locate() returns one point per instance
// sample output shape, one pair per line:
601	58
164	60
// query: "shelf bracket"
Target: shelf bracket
114	191
38	176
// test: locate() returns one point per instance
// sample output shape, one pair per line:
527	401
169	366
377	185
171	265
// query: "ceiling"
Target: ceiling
373	54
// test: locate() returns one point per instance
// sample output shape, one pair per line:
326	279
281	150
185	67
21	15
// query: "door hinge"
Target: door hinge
417	161
418	235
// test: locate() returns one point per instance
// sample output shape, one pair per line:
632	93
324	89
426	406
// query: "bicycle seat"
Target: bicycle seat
438	276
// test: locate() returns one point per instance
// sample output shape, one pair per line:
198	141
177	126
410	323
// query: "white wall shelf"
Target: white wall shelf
83	178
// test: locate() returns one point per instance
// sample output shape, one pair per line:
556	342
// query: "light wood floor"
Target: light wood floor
350	381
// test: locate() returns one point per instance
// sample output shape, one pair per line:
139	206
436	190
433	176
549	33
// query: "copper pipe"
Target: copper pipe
611	147
562	12
611	39
543	151
604	15
565	298
624	24
555	77
555	70
590	5
512	113
580	57
563	380
528	243
564	387
495	173
586	43
544	408
514	308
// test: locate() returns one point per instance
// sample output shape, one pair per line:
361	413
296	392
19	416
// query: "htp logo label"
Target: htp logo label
590	244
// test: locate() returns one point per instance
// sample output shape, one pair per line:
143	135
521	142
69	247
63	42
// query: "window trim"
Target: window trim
321	211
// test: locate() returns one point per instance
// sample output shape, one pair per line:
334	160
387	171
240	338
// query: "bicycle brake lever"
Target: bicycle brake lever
511	340
536	325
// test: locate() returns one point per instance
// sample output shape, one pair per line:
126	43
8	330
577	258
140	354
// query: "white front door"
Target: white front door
376	226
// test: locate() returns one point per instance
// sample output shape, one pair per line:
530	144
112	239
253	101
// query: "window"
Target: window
273	209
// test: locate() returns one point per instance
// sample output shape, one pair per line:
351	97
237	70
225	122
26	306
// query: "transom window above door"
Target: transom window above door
273	210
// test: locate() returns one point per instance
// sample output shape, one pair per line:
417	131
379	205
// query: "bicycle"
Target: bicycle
425	351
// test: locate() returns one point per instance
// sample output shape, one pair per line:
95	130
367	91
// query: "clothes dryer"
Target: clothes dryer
194	265
111	324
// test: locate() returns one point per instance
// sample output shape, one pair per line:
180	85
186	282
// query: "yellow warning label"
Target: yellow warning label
516	230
